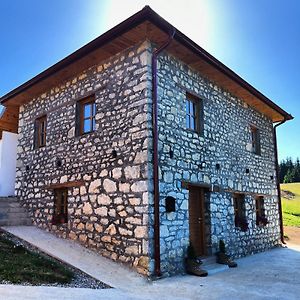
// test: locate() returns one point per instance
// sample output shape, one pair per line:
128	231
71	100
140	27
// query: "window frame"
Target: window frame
40	132
239	205
198	113
80	118
60	207
255	140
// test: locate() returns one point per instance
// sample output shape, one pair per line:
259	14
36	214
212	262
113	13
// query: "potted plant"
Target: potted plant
223	258
193	263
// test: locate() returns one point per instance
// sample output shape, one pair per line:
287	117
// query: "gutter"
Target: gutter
277	180
155	153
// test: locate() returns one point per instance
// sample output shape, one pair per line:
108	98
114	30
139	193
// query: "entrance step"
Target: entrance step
12	213
211	266
215	268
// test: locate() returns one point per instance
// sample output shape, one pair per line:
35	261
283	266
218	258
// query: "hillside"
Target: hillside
291	204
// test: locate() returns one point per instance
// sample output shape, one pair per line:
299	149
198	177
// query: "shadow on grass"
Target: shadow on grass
19	265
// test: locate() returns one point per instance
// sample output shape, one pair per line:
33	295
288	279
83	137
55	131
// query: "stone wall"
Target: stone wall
225	141
109	212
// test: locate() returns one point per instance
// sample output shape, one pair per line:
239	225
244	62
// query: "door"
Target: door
197	220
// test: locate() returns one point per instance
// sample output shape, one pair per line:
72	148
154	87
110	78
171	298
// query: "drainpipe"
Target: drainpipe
155	153
277	181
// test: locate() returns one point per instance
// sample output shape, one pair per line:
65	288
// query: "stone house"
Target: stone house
141	142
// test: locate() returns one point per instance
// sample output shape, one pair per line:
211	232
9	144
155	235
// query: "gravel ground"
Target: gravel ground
80	280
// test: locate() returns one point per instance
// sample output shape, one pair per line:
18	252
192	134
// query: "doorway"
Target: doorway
197	220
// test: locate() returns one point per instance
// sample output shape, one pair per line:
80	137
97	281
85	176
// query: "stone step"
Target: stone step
214	268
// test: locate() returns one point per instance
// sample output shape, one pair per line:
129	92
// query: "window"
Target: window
60	215
261	219
239	212
86	112
193	112
255	140
40	132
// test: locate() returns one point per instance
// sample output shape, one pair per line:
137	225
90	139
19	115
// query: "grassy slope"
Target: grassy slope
18	265
291	208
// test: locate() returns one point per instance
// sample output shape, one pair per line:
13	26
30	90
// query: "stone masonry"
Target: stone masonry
225	141
112	211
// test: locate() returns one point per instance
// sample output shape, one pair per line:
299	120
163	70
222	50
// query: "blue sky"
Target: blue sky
259	40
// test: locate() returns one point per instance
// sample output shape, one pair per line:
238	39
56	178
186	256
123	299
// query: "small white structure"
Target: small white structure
8	156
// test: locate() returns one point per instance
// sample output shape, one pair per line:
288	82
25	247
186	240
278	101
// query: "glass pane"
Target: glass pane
87	125
187	121
193	123
192	108
87	110
187	106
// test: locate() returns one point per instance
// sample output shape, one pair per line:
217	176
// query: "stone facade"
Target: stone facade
226	140
110	211
113	210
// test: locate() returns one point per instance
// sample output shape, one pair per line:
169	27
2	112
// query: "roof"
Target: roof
145	24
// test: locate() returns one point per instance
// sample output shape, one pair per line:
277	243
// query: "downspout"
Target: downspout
277	180
155	154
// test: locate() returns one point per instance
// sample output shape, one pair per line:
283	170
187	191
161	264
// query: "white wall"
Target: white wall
8	155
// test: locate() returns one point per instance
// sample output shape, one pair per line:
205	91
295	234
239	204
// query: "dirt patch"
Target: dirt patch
287	194
292	235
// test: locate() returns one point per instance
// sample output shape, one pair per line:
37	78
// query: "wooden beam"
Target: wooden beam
64	185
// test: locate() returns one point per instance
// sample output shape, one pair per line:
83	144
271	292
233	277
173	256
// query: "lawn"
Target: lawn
19	265
291	207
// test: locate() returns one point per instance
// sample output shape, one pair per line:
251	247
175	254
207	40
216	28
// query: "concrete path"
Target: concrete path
270	275
97	266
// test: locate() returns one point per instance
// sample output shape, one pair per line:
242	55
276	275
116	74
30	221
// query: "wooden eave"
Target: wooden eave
10	119
145	24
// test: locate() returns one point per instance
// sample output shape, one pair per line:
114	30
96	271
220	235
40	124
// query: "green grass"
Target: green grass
18	265
291	208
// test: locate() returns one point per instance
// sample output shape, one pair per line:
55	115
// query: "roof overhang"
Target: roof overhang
145	24
9	119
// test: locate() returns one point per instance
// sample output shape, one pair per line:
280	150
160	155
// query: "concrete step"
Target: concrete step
208	260
8	199
9	209
215	268
12	213
15	222
4	204
17	215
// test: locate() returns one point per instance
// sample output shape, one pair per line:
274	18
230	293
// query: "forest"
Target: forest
289	170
